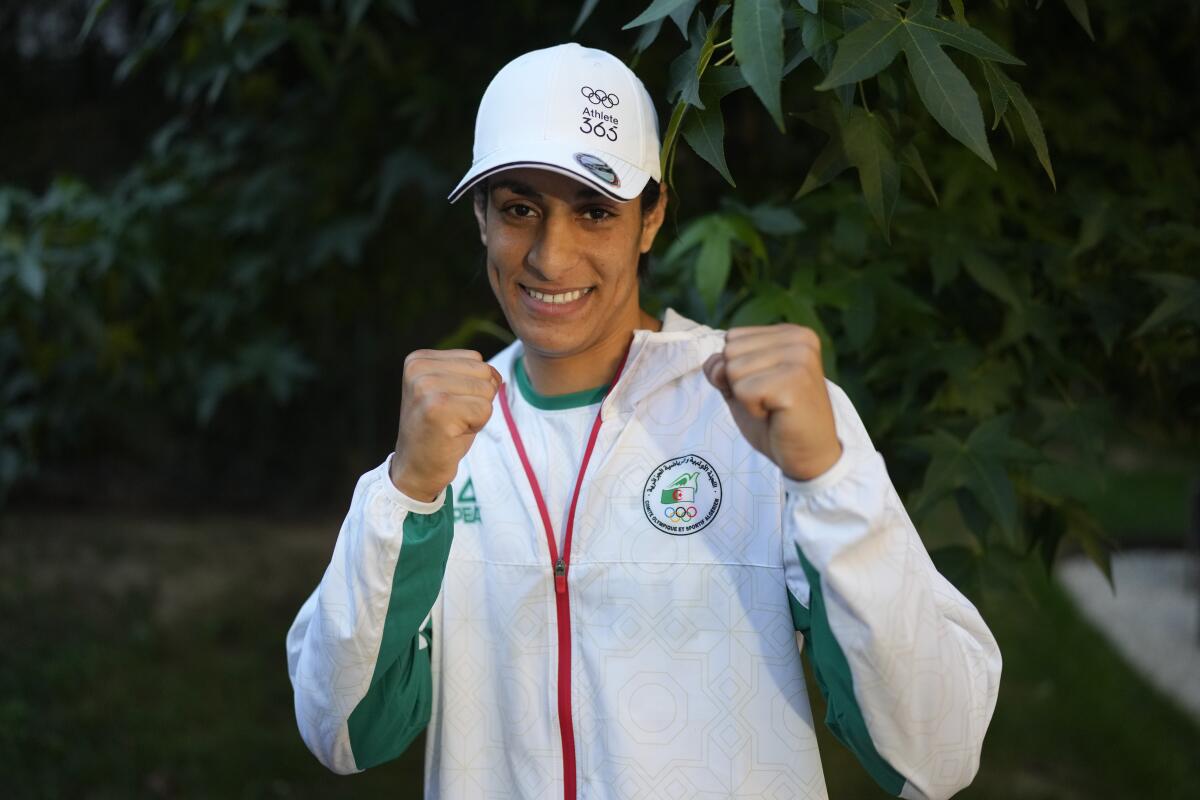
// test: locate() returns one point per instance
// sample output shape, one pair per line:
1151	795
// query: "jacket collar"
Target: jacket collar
656	358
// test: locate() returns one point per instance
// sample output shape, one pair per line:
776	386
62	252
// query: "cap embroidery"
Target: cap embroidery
599	97
598	168
595	120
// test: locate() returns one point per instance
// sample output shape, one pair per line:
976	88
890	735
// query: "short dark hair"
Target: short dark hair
649	196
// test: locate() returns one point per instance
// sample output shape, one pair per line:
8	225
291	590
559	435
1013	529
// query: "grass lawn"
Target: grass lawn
145	658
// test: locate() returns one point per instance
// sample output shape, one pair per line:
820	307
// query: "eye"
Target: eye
519	210
598	214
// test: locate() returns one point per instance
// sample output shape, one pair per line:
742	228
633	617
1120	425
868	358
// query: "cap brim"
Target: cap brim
560	158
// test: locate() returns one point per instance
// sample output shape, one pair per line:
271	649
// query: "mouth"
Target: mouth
555	303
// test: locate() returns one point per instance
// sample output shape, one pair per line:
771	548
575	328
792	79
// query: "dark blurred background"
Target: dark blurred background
224	225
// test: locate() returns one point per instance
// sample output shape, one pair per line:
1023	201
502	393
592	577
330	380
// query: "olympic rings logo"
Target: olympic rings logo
680	513
599	97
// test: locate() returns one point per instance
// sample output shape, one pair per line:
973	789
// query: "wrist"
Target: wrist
815	468
405	484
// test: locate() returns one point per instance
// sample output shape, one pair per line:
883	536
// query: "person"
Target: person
591	564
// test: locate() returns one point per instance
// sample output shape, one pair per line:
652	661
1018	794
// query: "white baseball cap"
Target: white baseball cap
571	109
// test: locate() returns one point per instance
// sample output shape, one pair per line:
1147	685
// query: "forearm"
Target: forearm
358	664
910	667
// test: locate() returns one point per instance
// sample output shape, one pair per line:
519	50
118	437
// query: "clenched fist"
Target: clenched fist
773	380
446	398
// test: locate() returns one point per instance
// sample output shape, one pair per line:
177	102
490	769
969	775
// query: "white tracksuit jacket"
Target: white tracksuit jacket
696	576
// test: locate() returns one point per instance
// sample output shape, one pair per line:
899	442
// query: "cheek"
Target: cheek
506	249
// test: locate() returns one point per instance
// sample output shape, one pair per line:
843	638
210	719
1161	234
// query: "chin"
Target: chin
550	339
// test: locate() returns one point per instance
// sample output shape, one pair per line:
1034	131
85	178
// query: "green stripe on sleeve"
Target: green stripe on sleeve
397	706
843	717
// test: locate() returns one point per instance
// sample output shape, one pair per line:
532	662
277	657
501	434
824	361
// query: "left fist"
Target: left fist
772	378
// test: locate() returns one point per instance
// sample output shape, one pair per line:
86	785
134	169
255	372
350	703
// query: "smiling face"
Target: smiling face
562	259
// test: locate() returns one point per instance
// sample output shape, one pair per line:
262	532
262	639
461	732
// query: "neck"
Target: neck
596	366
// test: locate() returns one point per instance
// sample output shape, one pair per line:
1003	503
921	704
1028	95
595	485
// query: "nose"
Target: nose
554	251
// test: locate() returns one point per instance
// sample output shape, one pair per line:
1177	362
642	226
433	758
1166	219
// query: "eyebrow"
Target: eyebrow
525	190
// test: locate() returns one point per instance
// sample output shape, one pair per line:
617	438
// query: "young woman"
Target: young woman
592	562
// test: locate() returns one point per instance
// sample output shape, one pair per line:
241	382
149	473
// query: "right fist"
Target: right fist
446	398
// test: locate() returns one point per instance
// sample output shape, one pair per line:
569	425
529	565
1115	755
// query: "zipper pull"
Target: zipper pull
560	577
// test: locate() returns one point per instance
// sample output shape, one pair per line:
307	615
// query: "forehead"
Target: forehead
535	183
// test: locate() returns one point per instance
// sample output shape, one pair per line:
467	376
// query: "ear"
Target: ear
481	218
653	220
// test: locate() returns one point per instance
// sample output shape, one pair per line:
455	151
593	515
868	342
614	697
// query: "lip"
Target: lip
554	310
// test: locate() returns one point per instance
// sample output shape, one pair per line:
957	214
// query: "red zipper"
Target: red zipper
561	566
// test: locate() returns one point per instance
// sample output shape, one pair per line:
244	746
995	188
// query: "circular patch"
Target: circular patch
598	168
682	495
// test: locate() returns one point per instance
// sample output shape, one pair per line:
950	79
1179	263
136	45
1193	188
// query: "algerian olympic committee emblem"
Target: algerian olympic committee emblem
682	495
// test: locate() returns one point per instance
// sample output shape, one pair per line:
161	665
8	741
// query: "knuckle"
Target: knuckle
419	382
735	370
808	336
416	355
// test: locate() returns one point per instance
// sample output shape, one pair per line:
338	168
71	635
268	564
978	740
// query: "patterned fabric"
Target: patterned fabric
687	618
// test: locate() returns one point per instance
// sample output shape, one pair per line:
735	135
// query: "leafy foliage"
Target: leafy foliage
992	326
985	342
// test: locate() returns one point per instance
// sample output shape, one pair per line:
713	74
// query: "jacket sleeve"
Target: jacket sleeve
358	651
909	670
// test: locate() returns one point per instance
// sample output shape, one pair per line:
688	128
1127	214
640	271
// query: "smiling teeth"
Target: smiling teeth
565	297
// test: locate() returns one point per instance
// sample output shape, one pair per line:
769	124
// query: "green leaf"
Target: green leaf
829	163
691	236
355	11
758	42
1098	545
585	11
989	276
960	566
762	309
992	438
966	39
307	38
647	36
1182	300
974	465
776	220
712	265
683	75
943	264
810	6
720	81
30	273
705	132
1011	91
669	138
688	68
817	33
681	14
1079	11
911	157
921	9
880	9
470	328
974	514
859	316
97	8
743	230
998	93
946	92
868	147
863	52
657	10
